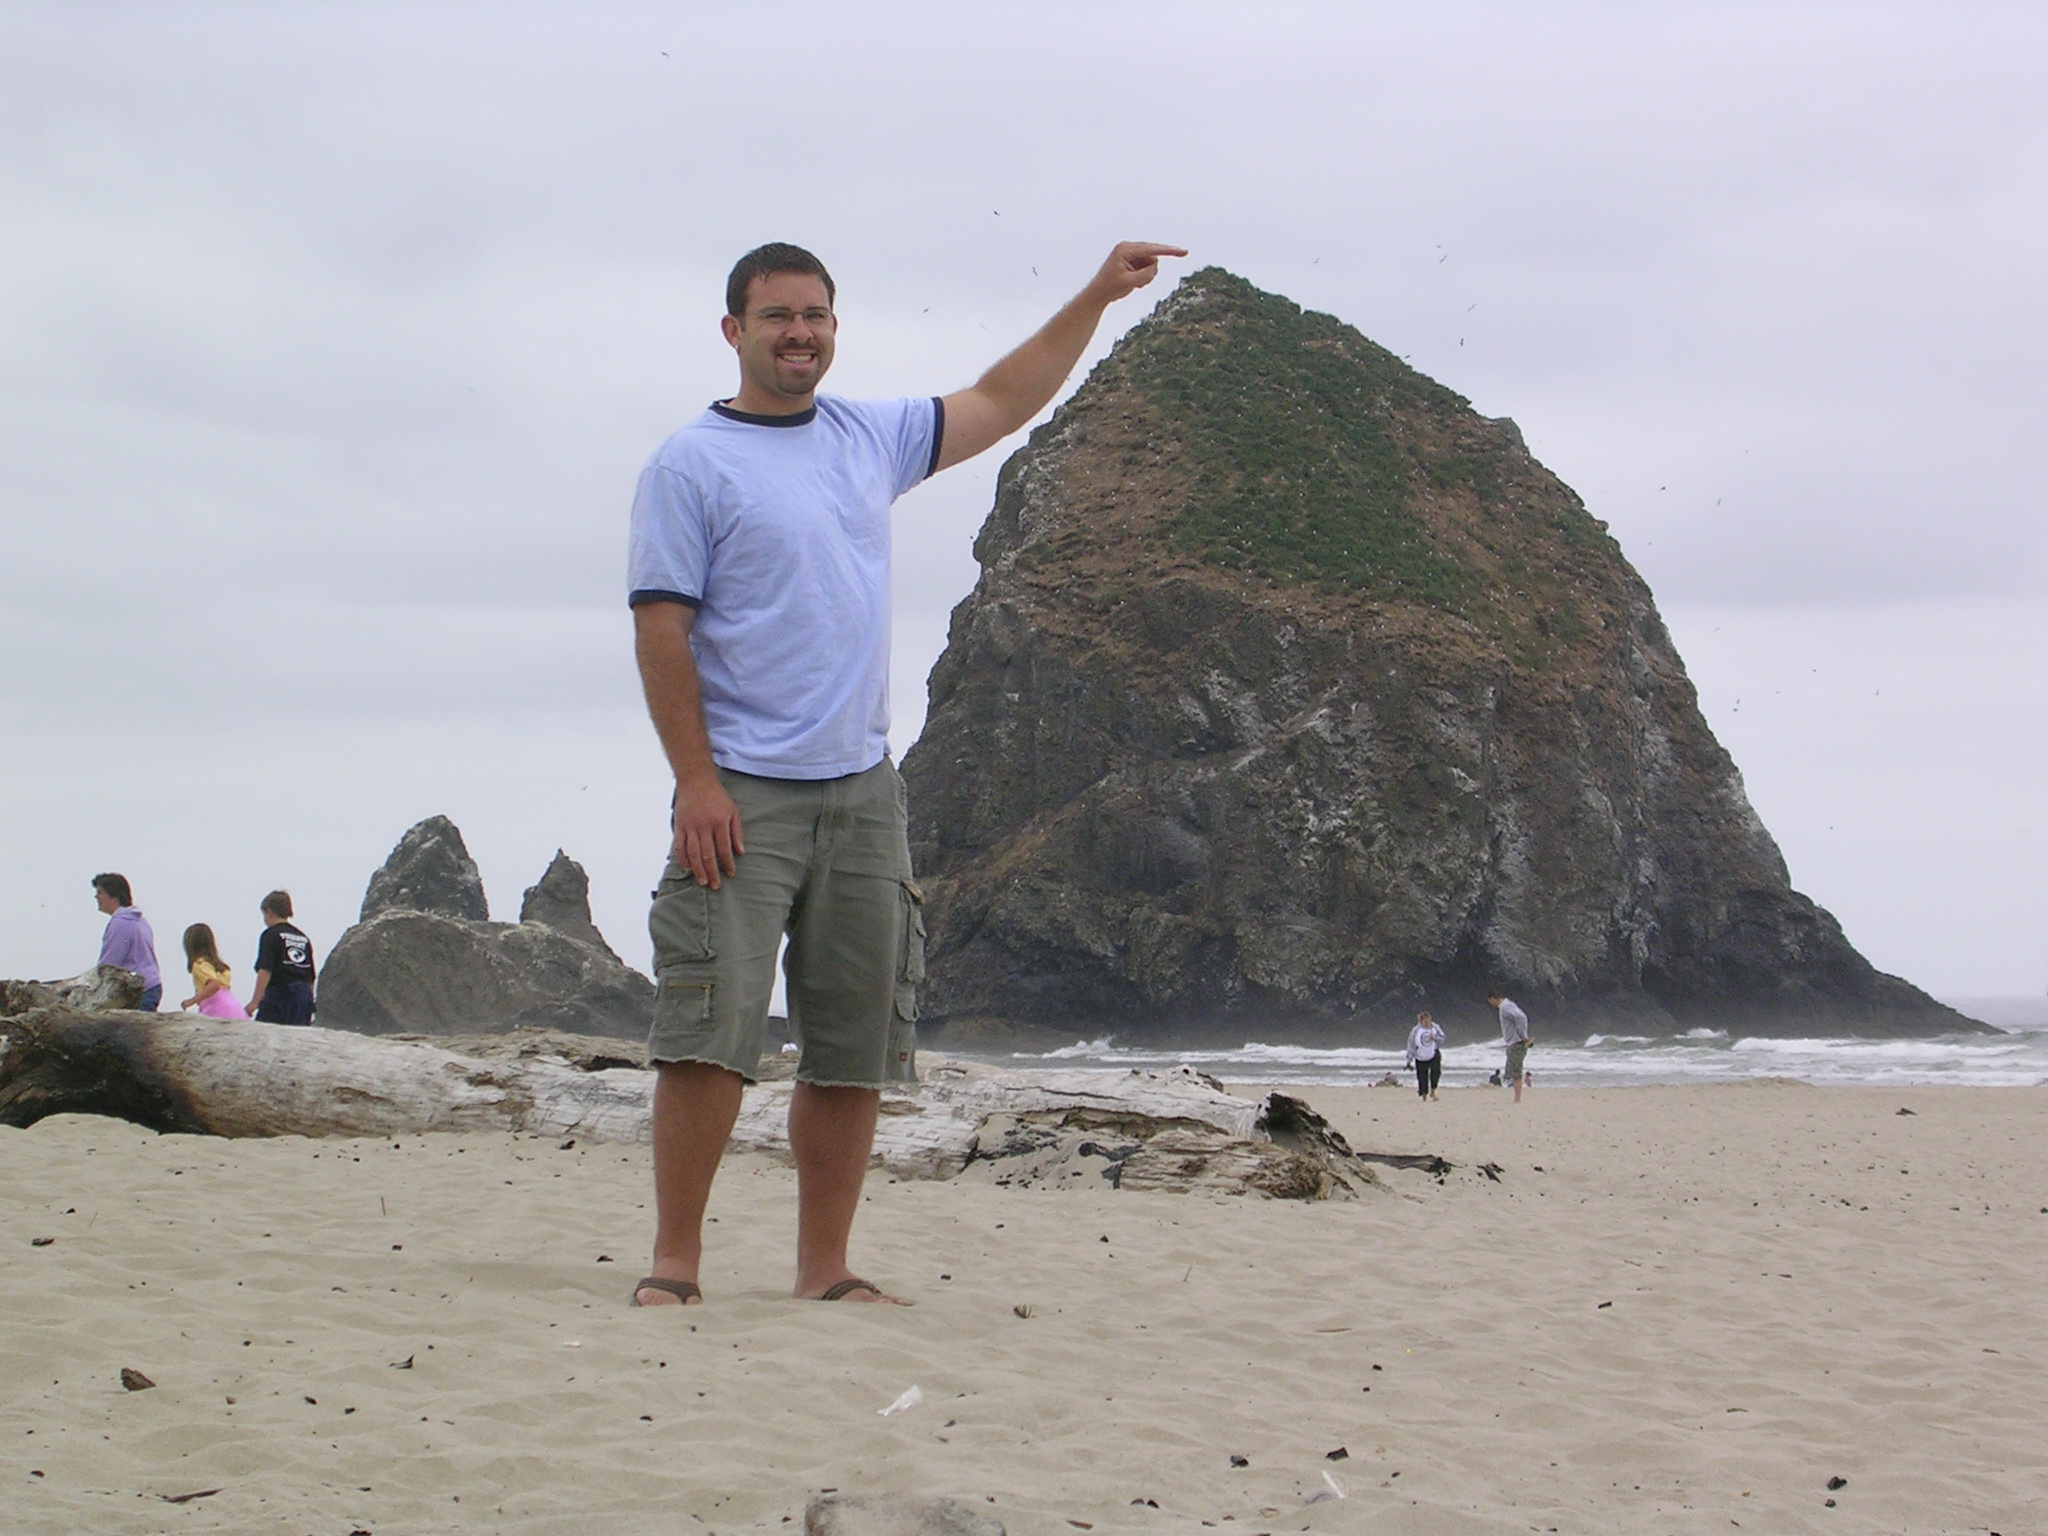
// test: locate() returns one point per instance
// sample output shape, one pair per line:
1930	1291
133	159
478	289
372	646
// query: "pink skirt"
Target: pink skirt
222	1005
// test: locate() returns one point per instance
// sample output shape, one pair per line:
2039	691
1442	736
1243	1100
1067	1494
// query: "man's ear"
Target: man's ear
730	325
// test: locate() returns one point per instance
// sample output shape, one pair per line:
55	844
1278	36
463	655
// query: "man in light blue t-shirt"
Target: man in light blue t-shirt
758	572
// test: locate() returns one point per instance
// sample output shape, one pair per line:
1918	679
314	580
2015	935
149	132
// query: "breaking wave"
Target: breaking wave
2016	1058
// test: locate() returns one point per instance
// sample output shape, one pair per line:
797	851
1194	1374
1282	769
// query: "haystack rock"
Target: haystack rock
1296	696
418	964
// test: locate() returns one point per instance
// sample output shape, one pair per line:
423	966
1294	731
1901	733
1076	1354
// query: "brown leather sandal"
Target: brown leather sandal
846	1288
684	1291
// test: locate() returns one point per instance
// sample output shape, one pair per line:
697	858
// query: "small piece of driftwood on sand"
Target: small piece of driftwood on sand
1174	1130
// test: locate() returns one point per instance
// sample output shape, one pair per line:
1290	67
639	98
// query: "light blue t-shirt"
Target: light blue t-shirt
776	530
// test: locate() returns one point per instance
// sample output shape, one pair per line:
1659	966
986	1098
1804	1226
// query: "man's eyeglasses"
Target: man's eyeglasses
817	316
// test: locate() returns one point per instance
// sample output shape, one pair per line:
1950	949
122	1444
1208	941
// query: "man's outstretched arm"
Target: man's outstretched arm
707	823
1018	387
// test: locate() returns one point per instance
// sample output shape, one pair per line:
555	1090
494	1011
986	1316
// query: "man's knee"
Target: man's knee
831	1120
687	1084
840	1097
696	1071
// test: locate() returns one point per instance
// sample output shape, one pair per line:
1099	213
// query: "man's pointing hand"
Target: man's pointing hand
1132	265
1018	387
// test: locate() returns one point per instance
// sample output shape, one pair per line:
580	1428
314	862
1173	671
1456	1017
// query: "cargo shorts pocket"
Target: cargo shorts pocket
682	1002
911	970
902	1064
679	922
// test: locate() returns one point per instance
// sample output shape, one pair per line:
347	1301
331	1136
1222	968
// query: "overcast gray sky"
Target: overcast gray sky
333	337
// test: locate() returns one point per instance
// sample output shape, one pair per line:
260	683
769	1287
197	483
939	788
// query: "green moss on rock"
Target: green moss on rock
1305	467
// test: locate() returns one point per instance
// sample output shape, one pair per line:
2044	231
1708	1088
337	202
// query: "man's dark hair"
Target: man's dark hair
766	261
278	904
115	886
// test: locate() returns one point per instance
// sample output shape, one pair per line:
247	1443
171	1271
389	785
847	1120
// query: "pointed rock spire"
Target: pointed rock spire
561	899
429	871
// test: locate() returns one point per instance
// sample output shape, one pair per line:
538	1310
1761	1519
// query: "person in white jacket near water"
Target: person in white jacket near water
1425	1054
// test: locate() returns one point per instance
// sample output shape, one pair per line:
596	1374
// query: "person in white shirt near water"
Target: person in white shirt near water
1514	1034
1425	1054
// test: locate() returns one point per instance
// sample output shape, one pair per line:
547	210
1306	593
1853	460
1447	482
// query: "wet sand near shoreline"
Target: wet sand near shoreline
1666	1309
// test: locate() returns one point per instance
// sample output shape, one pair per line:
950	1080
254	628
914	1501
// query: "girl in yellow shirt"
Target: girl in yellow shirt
210	976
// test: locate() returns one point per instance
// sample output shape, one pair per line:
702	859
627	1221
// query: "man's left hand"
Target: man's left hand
1018	387
1132	265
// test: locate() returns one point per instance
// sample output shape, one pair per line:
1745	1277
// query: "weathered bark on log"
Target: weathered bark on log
1174	1130
94	991
227	1077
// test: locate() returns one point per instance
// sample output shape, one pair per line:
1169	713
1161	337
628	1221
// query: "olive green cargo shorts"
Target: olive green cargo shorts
828	864
1518	1054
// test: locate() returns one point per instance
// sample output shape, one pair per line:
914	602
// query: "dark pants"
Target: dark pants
152	998
1427	1072
286	1002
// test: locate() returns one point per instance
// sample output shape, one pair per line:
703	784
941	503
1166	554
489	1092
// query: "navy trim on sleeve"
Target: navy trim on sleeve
802	418
938	435
657	595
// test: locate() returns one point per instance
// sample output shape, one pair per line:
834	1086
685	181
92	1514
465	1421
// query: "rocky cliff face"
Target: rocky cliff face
1296	693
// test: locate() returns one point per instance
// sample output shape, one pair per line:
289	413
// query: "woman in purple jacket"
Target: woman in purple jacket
128	943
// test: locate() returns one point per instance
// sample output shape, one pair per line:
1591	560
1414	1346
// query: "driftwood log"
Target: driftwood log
1173	1130
94	991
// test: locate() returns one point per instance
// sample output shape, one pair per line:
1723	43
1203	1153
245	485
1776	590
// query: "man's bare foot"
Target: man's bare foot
853	1288
657	1291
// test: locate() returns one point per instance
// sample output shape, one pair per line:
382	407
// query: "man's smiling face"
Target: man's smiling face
785	339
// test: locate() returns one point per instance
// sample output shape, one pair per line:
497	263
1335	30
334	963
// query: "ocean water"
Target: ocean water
2015	1058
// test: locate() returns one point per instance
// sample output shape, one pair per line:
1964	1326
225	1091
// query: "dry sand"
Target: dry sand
1706	1303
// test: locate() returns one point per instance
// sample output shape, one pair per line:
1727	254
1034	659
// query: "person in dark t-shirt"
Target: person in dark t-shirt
284	967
